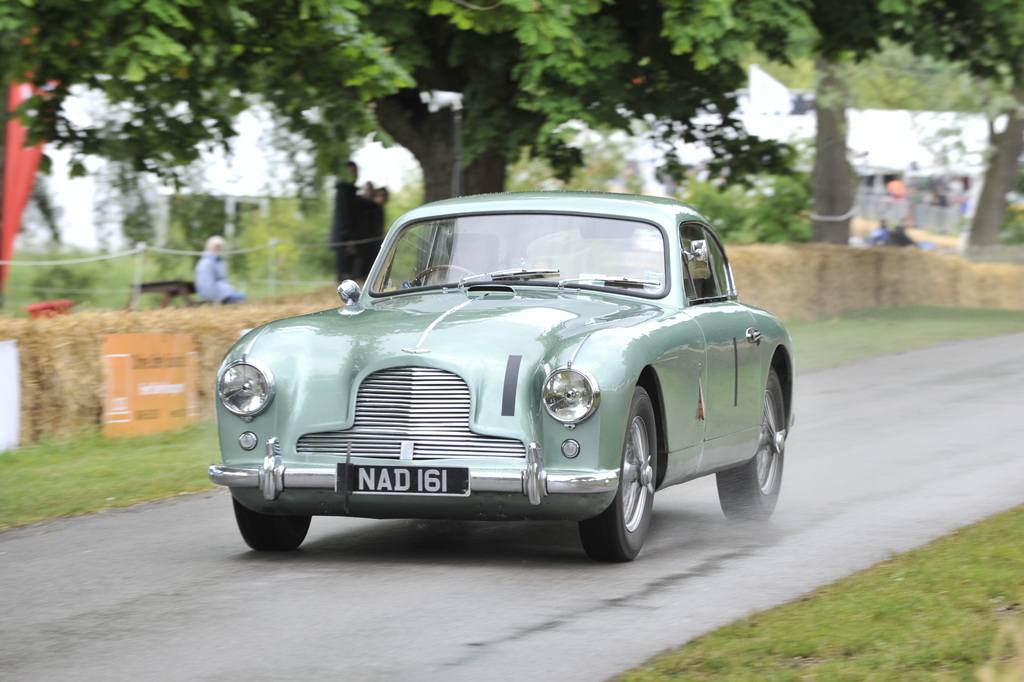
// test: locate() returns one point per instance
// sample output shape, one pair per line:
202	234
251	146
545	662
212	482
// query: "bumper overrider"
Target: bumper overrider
534	481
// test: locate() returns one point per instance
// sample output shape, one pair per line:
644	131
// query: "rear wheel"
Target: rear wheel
269	533
618	533
751	491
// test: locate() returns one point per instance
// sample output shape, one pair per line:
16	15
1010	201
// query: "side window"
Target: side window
707	275
720	266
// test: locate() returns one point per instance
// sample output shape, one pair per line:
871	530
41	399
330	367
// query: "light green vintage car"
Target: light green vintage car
548	355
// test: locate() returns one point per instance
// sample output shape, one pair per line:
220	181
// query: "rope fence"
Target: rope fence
140	250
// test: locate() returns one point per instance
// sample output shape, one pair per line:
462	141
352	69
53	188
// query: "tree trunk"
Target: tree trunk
832	180
433	138
486	173
1000	175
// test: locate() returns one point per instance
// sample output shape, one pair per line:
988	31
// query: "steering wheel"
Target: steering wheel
416	279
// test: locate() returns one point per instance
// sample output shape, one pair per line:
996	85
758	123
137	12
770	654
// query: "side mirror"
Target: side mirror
348	291
698	259
699	251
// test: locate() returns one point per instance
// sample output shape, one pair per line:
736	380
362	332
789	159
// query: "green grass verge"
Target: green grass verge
51	479
866	333
930	614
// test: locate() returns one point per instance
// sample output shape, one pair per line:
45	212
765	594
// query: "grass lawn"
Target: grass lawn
941	612
89	473
866	333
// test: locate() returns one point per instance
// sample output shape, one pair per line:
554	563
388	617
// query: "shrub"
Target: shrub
774	209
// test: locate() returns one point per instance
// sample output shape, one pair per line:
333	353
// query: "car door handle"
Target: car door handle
753	335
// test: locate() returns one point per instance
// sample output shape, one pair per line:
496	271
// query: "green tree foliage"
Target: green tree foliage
295	229
604	163
985	36
1013	222
195	218
525	67
46	211
896	78
772	210
177	72
1013	225
893	78
124	202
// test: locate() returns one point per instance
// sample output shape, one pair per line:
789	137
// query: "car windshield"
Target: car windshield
552	249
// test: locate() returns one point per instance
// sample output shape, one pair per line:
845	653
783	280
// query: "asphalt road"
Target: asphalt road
886	455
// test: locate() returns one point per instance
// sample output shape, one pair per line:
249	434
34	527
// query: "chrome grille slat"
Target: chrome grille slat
429	407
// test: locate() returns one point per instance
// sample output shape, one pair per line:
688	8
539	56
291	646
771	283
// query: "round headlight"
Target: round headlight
245	388
570	395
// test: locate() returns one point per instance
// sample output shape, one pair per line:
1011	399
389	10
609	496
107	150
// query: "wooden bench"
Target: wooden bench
171	289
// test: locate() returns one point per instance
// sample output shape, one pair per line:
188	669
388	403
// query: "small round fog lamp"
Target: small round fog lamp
570	448
248	440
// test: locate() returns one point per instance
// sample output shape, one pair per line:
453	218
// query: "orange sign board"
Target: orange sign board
151	383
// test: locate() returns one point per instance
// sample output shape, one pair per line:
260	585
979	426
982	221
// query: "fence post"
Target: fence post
272	266
140	250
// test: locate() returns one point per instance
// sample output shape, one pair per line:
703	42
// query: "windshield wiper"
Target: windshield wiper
517	273
624	282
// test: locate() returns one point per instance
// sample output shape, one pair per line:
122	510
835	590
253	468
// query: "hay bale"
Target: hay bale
801	281
62	389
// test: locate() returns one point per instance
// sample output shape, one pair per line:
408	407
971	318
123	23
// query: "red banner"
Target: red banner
20	165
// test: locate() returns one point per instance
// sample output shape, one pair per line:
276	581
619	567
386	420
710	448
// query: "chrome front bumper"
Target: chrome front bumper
534	482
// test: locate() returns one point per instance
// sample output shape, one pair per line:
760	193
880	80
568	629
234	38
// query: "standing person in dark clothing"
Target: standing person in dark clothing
343	223
370	231
358	226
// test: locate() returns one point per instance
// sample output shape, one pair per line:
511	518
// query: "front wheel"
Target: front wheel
268	533
751	491
618	533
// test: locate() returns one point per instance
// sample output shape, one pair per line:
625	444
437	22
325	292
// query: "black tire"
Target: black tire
750	492
268	533
618	533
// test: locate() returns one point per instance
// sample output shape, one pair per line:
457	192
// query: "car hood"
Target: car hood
319	359
454	325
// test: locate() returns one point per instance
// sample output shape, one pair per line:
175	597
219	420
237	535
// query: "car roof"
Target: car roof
656	209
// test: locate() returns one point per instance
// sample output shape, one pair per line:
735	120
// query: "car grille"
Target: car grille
428	408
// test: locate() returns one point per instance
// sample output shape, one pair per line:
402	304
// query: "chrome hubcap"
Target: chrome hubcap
771	445
637	474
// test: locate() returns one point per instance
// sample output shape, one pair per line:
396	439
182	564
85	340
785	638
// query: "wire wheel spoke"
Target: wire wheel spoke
635	465
770	446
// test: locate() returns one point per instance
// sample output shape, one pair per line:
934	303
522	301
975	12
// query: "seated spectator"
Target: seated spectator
899	237
212	275
880	235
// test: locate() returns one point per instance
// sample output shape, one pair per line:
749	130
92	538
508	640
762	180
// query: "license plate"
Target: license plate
392	479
